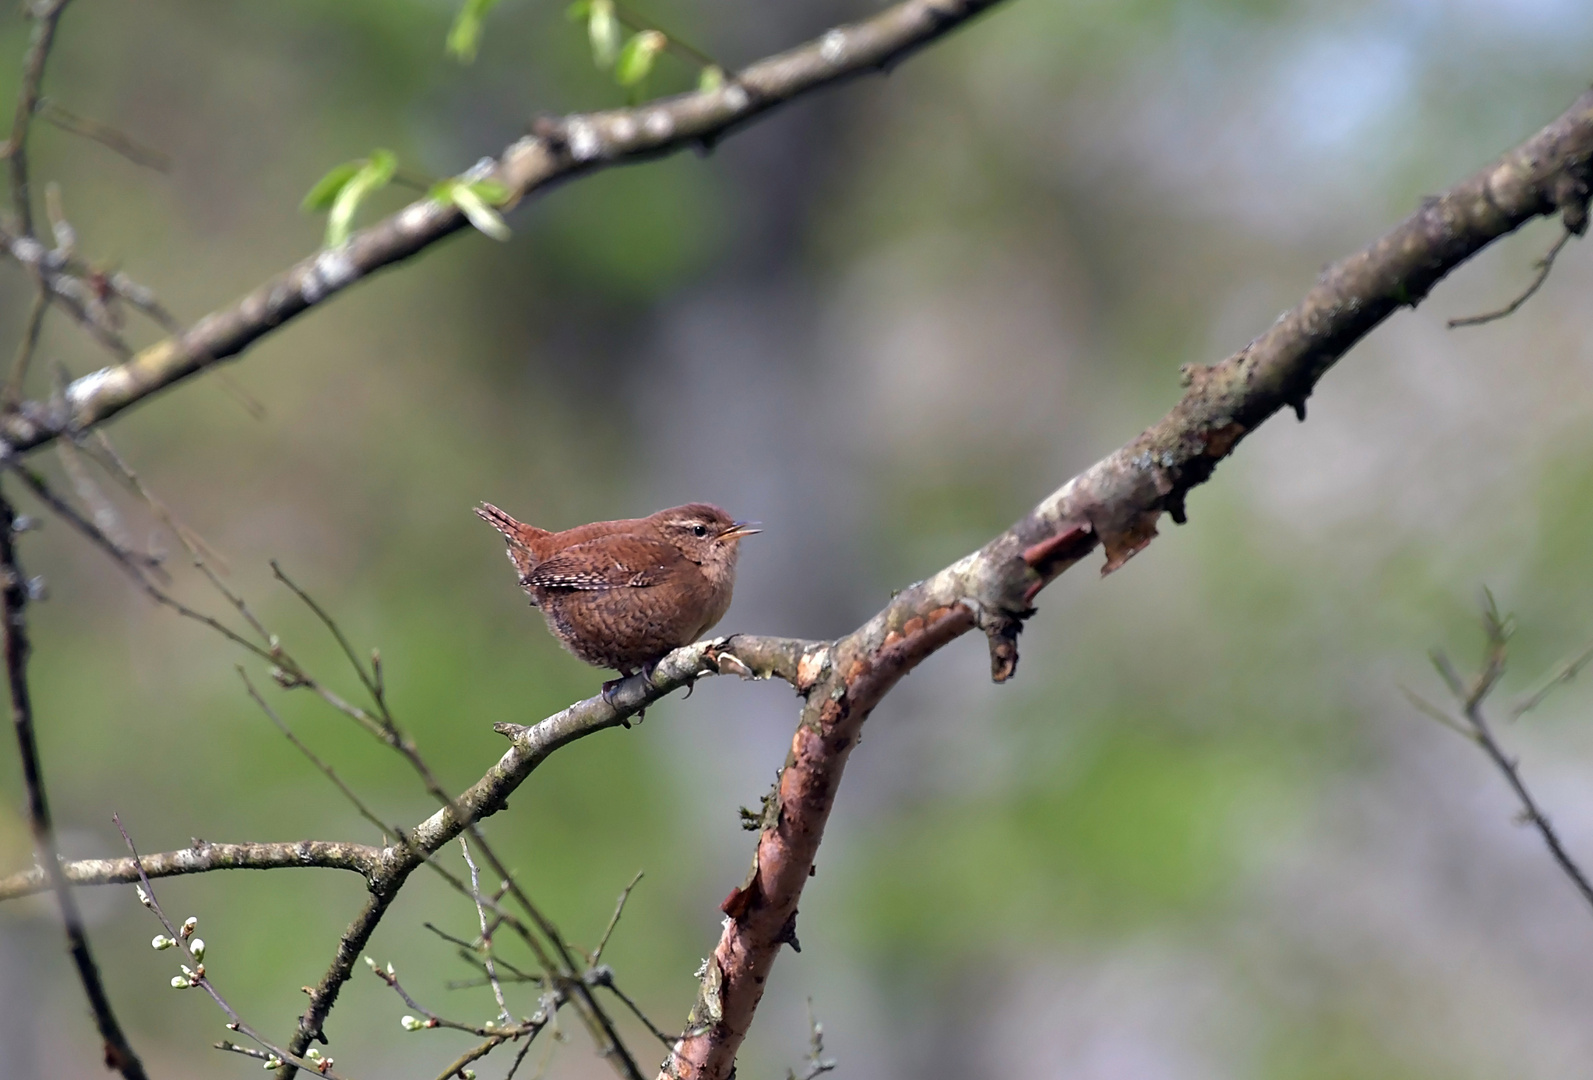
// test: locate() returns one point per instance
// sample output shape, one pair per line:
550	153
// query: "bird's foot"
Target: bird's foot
614	684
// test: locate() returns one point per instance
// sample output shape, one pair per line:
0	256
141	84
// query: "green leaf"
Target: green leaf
482	216
465	34
712	78
578	11
474	200
604	30
325	191
373	174
636	58
492	191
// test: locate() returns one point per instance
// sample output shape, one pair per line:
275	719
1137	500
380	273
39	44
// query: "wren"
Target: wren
622	594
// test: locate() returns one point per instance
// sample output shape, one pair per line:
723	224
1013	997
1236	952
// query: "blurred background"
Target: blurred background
1202	835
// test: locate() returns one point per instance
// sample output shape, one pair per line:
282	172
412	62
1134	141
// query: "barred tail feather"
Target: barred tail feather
519	536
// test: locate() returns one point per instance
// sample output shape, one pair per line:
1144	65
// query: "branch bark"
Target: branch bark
558	150
202	857
750	657
1115	503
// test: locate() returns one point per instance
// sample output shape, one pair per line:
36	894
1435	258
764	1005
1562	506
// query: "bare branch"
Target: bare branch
1567	672
119	1053
46	15
134	563
107	136
26	347
203	857
486	934
619	909
1116	503
1477	729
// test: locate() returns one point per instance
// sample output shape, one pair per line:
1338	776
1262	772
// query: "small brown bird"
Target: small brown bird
621	594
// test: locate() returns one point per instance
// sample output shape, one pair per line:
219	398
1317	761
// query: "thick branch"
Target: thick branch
560	149
202	857
1116	503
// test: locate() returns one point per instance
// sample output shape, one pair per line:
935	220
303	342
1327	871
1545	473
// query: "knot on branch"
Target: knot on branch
1569	193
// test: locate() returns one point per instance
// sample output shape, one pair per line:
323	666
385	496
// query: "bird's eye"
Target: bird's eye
699	530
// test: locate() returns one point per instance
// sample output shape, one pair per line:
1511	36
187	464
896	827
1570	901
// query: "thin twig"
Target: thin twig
119	1053
100	508
456	1068
132	562
1477	728
369	682
818	1064
183	938
1567	672
26	347
104	134
614	919
46	15
486	935
433	1020
604	977
1544	265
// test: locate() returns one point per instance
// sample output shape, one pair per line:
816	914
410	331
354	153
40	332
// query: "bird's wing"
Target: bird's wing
622	561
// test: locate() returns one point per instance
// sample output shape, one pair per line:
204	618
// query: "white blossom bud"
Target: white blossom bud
411	1023
272	1062
197	947
179	983
190	924
143	897
161	941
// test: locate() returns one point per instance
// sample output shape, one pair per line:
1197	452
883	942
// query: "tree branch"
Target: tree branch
119	1053
750	657
202	857
46	15
560	149
1116	503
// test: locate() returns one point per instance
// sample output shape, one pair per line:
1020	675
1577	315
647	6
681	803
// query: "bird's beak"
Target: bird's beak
738	529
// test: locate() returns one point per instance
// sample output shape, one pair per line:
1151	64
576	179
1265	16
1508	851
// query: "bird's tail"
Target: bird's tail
522	538
508	526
